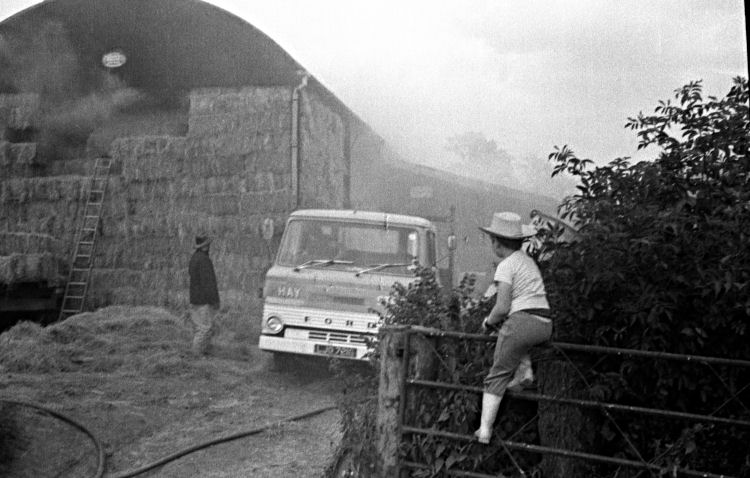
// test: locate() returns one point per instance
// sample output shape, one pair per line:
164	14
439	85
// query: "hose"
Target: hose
67	419
200	446
173	456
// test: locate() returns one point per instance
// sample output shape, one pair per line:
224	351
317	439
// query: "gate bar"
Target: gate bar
566	453
586	403
589	348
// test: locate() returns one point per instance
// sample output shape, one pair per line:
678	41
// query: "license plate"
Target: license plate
335	350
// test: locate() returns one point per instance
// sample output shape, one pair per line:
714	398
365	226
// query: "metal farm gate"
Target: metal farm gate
409	356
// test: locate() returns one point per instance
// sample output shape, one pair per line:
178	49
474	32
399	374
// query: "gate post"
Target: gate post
391	342
565	426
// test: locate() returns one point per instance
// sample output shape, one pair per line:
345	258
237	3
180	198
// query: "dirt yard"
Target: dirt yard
128	376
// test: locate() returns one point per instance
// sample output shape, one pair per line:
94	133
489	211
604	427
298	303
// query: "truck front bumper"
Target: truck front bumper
275	343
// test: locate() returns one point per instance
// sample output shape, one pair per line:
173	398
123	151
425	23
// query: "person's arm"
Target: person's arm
501	308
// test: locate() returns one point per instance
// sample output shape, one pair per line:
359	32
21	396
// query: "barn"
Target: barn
210	128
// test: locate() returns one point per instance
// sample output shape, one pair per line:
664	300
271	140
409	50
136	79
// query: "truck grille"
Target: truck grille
337	337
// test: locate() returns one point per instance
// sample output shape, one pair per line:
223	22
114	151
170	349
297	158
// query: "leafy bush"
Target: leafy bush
662	263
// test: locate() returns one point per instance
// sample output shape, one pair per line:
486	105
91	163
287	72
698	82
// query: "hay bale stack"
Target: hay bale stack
322	177
230	173
43	205
18	111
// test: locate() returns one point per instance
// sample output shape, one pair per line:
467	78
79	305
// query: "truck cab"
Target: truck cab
333	270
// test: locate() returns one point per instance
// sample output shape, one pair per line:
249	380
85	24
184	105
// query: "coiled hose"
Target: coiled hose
128	474
70	421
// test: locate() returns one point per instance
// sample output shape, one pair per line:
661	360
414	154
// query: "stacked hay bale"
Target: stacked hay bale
225	177
38	213
230	173
18	114
37	227
324	170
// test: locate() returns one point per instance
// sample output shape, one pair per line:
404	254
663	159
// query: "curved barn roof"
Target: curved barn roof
169	44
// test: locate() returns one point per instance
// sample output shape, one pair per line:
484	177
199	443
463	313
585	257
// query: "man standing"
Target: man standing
204	295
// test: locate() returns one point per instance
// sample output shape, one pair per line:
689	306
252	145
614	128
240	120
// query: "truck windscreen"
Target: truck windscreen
342	245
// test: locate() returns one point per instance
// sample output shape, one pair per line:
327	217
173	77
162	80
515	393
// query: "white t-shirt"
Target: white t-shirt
525	279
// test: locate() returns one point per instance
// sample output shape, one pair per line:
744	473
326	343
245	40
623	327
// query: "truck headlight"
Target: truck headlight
274	324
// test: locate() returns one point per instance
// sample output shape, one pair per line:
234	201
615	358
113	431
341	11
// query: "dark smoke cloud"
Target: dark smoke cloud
43	62
75	98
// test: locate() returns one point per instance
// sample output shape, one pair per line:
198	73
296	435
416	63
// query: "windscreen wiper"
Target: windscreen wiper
320	262
380	267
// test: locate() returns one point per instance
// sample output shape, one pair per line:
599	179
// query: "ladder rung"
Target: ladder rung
76	283
74	297
89	229
90	217
69	311
82	255
86	243
79	269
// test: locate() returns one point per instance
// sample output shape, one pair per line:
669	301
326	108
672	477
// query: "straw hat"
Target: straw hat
508	225
202	241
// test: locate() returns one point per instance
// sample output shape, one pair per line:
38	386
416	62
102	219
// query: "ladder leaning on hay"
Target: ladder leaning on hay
83	255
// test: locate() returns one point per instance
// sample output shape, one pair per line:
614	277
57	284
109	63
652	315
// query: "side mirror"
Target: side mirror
452	242
412	246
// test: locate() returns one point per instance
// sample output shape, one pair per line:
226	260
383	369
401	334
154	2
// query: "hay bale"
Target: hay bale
148	158
57	219
5	158
26	243
18	268
19	111
248	100
23	154
51	188
266	202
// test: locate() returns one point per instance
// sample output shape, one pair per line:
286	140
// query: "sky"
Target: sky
529	75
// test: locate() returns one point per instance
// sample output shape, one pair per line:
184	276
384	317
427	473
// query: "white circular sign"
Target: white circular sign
114	59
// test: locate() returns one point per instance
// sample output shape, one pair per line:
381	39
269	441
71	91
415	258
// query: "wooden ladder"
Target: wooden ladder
83	256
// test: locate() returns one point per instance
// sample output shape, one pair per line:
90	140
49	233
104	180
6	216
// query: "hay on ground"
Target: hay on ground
126	339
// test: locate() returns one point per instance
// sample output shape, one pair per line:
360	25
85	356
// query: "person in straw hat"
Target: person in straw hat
522	308
204	295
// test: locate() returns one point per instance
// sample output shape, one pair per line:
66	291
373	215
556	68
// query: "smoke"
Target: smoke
76	97
43	62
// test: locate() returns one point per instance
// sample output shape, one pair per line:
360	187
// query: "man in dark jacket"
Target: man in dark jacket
204	295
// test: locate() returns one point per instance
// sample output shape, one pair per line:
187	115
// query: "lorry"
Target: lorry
333	272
